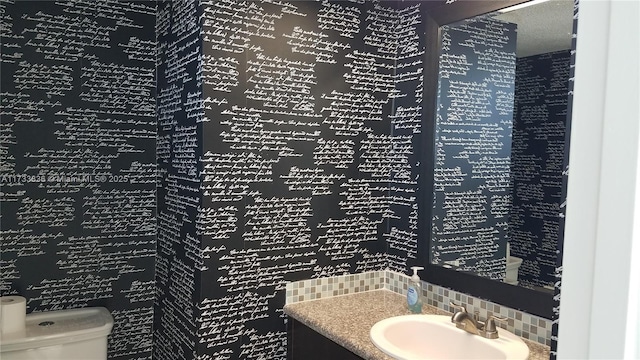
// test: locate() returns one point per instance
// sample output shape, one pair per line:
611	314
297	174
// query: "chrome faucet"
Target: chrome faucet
473	325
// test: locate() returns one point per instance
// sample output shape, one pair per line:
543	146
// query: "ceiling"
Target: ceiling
542	28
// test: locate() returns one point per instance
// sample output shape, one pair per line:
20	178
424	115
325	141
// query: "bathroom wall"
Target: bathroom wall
297	161
179	149
405	126
77	169
537	157
275	155
472	200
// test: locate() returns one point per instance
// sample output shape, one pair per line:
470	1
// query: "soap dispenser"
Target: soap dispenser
414	293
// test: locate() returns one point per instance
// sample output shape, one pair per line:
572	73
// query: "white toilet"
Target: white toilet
76	334
513	265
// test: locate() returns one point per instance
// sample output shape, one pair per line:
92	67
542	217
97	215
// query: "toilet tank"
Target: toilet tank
76	334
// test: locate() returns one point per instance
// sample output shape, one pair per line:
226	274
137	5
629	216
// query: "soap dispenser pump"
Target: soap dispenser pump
414	292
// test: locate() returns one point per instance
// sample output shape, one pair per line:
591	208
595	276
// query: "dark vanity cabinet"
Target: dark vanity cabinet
304	343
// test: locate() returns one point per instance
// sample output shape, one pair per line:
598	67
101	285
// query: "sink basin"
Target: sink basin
436	337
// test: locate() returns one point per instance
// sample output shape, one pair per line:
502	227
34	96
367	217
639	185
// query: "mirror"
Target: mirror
496	170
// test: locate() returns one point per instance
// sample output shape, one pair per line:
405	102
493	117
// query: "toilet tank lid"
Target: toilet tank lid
59	327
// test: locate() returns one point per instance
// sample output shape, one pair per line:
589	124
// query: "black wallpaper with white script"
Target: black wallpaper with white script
275	156
77	168
285	143
179	143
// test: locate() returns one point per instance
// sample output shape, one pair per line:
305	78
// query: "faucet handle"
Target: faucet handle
460	308
490	330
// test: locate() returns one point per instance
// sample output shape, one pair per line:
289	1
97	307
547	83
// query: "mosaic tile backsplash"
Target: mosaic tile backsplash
520	323
314	289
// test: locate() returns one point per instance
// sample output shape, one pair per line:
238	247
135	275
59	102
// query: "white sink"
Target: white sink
418	337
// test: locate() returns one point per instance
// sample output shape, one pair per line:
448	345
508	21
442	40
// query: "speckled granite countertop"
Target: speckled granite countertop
347	320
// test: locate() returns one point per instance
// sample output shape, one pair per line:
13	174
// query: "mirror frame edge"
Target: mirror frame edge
520	298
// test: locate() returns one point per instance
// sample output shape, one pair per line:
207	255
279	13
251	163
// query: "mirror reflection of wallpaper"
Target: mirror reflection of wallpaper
78	139
473	146
537	164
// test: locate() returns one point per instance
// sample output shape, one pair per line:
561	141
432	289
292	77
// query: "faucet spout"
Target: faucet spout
473	325
465	322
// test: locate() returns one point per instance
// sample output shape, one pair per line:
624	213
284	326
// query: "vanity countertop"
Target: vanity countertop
347	320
